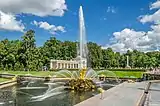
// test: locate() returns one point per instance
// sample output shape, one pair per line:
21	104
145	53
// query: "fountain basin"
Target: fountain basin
57	97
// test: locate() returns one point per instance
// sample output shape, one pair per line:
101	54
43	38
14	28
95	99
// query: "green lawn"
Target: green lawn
119	74
123	74
3	80
35	73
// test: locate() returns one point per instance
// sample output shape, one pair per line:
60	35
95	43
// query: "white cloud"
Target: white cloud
111	9
129	39
51	28
34	7
9	9
155	5
151	18
9	22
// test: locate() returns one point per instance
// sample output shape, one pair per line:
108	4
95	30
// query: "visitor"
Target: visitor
101	91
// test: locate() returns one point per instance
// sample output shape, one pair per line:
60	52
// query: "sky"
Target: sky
120	24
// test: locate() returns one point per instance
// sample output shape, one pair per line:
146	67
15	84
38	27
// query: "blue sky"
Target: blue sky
102	19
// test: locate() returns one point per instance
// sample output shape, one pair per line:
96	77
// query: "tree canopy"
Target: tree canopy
24	55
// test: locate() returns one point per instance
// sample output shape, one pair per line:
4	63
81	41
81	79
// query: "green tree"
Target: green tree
95	55
28	48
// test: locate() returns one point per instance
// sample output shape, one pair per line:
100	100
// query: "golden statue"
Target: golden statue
83	73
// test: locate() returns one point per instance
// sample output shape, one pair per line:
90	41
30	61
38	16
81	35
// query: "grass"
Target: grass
119	74
35	73
124	74
3	80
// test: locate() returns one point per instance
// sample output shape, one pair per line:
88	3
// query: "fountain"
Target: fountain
54	92
85	79
81	82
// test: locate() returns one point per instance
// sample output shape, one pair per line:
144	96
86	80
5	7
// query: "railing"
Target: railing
144	95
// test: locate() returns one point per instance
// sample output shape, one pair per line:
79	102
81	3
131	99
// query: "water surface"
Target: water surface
22	95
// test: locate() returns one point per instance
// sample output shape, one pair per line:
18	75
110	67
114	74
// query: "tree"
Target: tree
95	55
23	54
28	48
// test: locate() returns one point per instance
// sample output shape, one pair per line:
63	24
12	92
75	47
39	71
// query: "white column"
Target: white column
127	61
67	66
51	66
60	65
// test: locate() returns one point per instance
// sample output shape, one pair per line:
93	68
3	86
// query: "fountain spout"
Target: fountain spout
83	51
82	47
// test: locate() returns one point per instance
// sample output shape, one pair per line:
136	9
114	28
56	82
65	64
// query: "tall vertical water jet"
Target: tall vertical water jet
82	83
83	51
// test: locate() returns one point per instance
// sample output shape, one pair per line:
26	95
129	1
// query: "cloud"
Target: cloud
51	28
34	7
155	5
10	9
130	39
9	22
111	9
151	18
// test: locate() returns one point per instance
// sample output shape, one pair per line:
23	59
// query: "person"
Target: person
101	91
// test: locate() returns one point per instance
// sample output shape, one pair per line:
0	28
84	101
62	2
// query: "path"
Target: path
125	94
